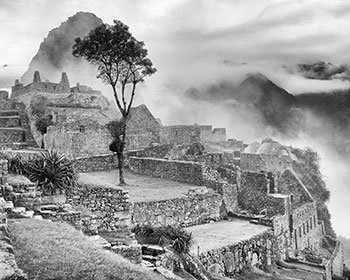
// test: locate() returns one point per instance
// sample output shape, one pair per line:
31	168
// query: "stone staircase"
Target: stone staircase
14	128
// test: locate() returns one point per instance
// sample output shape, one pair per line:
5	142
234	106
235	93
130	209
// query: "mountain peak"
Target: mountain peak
55	52
257	76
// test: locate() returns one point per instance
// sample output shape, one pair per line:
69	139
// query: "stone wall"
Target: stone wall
227	186
253	194
96	163
289	183
182	171
13	134
265	162
48	87
109	205
21	191
142	128
298	230
259	251
306	231
337	260
10	121
195	208
219	135
178	134
79	132
4	94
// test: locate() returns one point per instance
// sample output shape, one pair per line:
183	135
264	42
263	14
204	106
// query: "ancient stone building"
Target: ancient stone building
81	132
80	117
143	128
178	134
49	87
38	86
268	155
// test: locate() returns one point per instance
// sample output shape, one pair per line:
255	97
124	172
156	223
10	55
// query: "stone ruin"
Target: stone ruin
49	87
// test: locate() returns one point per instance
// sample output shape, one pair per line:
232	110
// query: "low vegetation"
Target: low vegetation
308	170
47	250
175	238
53	172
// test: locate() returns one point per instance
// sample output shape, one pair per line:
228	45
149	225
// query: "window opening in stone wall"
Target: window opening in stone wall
307	227
315	221
299	231
304	232
82	129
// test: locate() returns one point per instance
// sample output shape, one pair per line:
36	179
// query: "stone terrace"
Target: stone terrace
224	233
141	188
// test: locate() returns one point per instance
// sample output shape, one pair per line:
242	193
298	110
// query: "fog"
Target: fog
196	44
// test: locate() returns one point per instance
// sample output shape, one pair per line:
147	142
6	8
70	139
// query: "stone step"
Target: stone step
149	258
50	207
19	210
39	217
28	214
9	113
147	264
152	250
10	121
9	205
100	241
12	134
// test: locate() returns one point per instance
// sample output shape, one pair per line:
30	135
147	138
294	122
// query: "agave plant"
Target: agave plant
53	172
16	164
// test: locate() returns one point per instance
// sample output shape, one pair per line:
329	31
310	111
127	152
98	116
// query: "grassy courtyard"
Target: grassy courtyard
47	250
140	187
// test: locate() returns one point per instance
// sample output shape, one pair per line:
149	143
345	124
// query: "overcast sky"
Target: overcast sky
193	43
189	39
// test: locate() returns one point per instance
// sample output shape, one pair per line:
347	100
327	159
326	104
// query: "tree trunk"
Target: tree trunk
42	142
121	156
120	167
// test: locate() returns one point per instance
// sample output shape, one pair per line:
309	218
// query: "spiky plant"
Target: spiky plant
53	172
16	164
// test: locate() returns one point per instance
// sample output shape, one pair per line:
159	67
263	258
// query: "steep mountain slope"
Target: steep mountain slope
55	52
273	102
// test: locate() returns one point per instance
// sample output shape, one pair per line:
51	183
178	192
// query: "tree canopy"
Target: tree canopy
120	58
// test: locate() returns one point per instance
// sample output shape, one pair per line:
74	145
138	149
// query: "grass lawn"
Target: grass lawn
140	187
47	250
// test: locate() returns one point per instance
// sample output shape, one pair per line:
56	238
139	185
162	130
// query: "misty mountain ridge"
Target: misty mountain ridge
322	115
322	70
55	52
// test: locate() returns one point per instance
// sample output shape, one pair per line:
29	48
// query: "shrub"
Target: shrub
17	165
52	171
47	250
175	238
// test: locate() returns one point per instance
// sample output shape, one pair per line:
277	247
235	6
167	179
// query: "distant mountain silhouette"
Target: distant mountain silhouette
322	115
55	52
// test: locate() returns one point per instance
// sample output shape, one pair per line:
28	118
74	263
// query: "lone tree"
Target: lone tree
122	63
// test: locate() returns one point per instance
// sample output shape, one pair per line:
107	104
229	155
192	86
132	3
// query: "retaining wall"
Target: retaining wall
96	163
259	251
182	171
183	211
